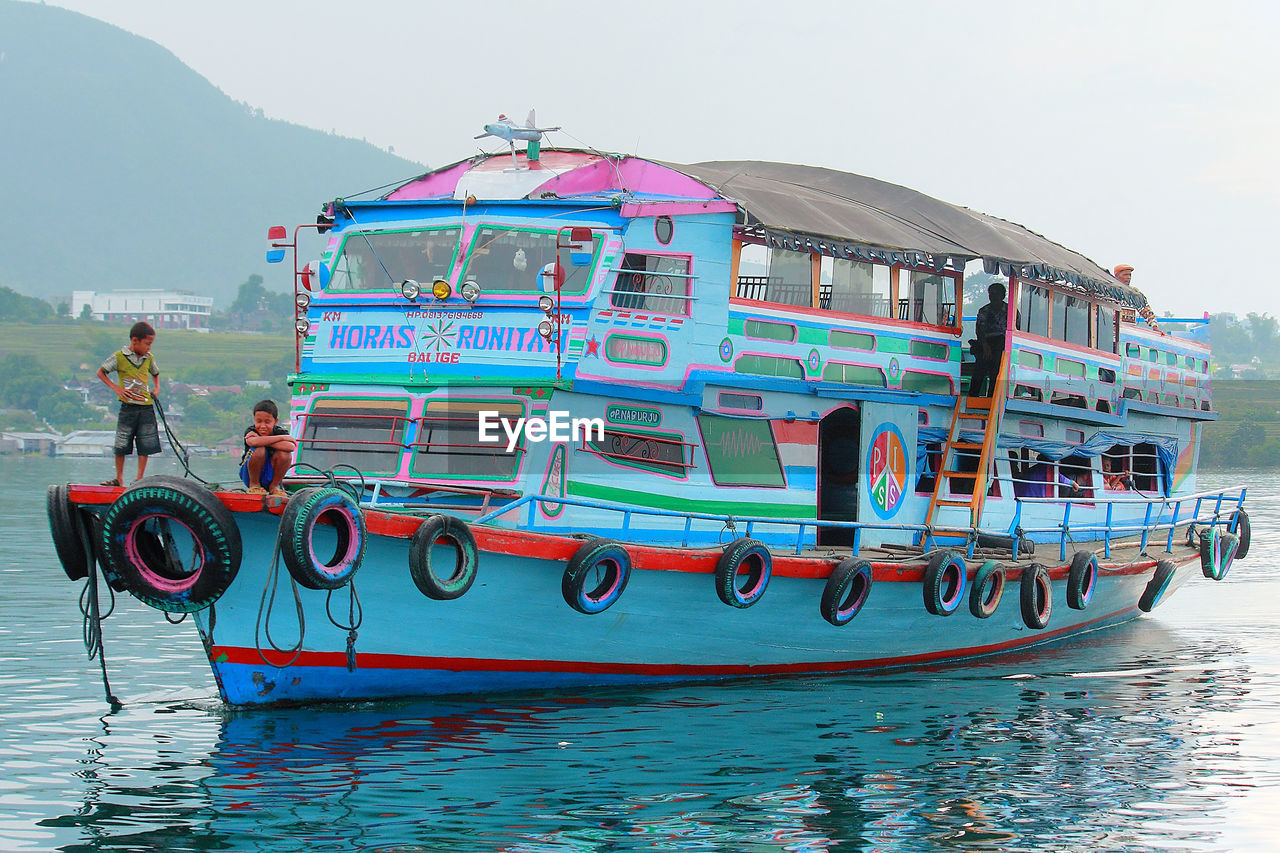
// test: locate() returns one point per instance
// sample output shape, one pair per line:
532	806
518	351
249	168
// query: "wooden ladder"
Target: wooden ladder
989	411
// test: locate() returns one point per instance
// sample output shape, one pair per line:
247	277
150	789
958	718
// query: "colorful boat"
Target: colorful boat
569	419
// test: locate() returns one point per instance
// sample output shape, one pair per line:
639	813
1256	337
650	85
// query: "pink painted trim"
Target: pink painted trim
676	208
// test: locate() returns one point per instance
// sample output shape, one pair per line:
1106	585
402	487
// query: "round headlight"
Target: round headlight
302	325
546	303
544	328
470	290
410	289
302	300
441	289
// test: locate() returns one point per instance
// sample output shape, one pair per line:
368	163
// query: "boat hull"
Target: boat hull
513	629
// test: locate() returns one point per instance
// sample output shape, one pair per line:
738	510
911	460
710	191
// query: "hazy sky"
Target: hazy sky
1144	133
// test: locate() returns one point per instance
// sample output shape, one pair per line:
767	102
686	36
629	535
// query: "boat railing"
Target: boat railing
1153	521
1205	508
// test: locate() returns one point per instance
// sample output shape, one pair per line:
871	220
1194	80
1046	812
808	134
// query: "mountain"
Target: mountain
121	167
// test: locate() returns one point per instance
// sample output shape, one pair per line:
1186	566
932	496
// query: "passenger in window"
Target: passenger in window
1114	479
988	348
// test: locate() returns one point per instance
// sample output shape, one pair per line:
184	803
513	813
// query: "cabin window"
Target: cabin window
926	298
380	260
1189	363
789	281
1171	358
744	402
856	287
769	330
655	283
1033	310
930	454
365	434
1147	469
510	260
1132	350
926	383
448	442
854	374
1071	319
741	451
767	365
662	453
1079	470
1136	467
1108	331
1153	355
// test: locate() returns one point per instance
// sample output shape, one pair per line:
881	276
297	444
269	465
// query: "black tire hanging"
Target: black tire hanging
1158	586
758	562
1036	597
307	509
1082	580
1243	532
596	576
847	590
944	584
71	537
987	589
135	555
443	529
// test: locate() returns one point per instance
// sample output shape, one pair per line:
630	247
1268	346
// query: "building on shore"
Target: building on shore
30	443
164	309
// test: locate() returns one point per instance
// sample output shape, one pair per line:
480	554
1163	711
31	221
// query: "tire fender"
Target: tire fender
1036	597
1243	530
436	530
133	552
742	554
71	537
847	590
945	580
307	509
1158	586
596	576
987	589
1082	580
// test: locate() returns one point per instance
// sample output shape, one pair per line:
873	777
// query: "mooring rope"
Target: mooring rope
262	625
353	621
176	446
92	613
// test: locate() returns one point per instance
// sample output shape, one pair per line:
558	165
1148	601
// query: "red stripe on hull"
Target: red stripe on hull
338	660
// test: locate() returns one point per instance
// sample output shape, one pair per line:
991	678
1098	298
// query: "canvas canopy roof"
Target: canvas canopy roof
799	207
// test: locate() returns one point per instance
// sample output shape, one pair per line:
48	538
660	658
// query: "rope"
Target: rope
92	624
176	446
263	625
353	621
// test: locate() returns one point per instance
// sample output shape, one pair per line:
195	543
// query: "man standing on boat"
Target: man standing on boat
1124	273
990	328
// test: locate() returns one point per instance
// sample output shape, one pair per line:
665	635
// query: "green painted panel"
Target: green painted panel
720	507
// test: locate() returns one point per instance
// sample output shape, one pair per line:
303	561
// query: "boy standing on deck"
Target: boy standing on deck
268	451
138	382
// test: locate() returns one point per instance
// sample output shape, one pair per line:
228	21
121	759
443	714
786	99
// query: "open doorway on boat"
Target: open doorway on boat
839	440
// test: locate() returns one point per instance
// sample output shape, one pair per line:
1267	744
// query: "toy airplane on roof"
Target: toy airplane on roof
505	128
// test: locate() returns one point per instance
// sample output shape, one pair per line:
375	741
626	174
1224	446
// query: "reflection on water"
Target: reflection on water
1159	734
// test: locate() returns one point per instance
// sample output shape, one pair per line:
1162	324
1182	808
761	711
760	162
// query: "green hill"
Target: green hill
123	168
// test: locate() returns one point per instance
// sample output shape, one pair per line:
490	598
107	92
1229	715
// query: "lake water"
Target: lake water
1162	734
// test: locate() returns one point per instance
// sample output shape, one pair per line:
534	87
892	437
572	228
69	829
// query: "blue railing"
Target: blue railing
1148	525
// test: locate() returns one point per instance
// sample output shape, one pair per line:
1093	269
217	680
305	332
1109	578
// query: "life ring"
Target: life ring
1082	580
596	576
1217	551
944	583
308	508
139	551
747	558
846	591
447	530
1239	525
1036	596
986	589
71	539
1158	586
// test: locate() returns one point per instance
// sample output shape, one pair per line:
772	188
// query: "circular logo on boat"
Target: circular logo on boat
886	470
894	369
815	361
726	349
